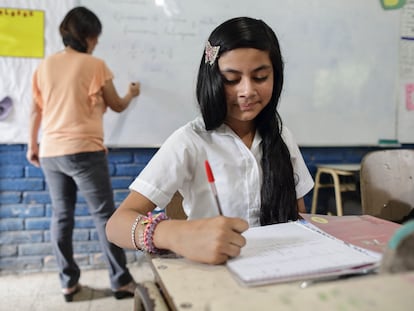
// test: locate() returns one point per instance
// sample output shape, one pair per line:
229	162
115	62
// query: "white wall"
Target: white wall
341	60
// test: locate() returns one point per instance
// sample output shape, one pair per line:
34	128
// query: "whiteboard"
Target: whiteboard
341	61
341	66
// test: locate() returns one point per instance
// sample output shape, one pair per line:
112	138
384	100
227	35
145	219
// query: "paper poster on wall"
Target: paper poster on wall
407	58
21	32
392	4
407	42
409	96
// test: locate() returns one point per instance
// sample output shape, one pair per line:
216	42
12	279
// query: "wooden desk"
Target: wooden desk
336	171
191	286
187	285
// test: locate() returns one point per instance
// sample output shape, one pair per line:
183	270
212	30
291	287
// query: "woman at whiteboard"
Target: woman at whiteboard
72	90
260	175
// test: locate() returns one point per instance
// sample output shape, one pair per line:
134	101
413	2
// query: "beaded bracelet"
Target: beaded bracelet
133	229
147	238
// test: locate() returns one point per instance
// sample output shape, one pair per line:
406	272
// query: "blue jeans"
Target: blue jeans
89	173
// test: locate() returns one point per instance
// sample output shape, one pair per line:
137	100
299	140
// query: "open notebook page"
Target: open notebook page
293	251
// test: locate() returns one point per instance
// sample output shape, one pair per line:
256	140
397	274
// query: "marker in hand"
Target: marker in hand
210	179
135	88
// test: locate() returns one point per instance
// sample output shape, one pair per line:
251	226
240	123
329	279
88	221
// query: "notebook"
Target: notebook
361	230
297	251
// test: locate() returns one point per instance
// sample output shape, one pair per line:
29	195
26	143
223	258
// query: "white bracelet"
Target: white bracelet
133	229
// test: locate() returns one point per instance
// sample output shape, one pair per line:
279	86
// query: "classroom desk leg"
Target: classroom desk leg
315	192
338	197
148	298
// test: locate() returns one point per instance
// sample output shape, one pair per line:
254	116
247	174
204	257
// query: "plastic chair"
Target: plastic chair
387	183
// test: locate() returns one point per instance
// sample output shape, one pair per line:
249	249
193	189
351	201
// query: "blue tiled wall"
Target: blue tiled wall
25	205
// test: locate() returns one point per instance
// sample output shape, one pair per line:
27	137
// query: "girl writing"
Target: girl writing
260	175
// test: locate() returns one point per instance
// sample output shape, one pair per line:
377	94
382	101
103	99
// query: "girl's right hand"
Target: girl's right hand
211	240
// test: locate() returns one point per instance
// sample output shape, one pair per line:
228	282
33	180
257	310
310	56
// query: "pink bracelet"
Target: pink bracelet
151	221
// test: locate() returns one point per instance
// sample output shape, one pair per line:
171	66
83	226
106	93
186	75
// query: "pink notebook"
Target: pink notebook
360	230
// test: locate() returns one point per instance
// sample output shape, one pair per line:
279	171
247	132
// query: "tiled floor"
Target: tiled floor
41	291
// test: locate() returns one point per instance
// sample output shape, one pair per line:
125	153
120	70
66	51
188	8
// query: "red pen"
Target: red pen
210	179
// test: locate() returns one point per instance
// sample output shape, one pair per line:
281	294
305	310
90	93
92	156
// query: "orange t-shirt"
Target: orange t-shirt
68	88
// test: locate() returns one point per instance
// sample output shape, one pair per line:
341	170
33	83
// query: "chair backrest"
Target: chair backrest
174	209
387	183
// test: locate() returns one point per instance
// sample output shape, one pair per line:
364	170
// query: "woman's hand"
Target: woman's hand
32	155
112	98
135	89
211	240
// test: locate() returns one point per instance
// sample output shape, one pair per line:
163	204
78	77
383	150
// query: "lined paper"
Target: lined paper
293	251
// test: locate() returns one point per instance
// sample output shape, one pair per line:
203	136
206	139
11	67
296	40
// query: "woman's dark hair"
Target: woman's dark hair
78	25
278	195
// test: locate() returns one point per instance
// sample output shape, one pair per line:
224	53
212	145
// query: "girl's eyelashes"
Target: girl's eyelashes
230	82
260	79
235	81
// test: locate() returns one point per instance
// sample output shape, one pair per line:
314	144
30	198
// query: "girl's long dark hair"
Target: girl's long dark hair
79	24
278	195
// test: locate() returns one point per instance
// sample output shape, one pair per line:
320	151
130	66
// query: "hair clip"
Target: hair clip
211	53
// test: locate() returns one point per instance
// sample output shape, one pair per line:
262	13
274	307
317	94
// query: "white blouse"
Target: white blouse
179	165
